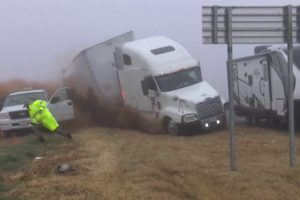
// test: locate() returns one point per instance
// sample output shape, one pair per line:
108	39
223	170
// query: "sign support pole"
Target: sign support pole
292	149
230	90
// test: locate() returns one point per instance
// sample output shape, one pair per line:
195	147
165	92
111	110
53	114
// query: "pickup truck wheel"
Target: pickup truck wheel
5	134
172	127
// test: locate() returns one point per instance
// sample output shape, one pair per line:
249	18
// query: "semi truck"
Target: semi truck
261	84
14	114
155	76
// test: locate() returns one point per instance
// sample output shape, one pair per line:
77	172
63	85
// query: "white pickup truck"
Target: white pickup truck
14	116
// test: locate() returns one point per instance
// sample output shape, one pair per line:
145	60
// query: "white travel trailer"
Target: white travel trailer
156	76
261	84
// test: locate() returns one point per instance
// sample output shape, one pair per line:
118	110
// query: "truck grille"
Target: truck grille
209	108
19	114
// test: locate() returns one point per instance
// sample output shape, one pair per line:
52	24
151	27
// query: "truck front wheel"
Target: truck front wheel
171	127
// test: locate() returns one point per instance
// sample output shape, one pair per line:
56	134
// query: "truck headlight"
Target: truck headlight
4	116
189	118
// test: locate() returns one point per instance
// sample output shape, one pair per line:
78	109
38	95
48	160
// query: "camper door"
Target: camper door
264	88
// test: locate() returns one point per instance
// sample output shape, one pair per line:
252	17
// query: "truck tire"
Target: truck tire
171	127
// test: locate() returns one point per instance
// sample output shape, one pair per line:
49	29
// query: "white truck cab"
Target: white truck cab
159	77
14	115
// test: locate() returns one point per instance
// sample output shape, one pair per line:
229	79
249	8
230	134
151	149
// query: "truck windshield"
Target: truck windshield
179	79
19	99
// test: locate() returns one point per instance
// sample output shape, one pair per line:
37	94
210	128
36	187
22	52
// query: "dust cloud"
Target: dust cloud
92	111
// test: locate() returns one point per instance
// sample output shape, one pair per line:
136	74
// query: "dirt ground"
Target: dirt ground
124	164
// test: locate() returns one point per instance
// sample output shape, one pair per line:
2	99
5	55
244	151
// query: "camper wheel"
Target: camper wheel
252	119
273	119
257	120
171	127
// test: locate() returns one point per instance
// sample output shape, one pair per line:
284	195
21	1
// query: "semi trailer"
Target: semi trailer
155	76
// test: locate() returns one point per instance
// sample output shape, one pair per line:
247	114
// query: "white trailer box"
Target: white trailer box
156	76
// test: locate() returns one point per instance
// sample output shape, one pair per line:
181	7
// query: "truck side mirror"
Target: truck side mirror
145	87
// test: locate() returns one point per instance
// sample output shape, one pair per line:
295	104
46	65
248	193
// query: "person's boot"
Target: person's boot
63	133
42	139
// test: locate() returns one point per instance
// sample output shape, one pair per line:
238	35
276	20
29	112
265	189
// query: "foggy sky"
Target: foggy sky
40	38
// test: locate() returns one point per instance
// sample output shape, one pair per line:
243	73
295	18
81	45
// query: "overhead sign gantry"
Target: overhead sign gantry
253	25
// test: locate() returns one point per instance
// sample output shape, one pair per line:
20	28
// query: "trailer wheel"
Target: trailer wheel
171	127
257	120
273	119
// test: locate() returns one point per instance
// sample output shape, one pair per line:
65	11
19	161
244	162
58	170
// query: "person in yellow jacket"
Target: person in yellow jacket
43	120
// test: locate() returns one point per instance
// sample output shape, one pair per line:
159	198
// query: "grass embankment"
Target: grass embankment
16	155
123	164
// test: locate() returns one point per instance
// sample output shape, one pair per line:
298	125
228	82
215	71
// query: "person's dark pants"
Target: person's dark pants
38	131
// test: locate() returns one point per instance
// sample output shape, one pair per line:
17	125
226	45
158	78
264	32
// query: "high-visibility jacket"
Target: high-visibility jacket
40	114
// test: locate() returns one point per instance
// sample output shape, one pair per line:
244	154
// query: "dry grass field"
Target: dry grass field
124	164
